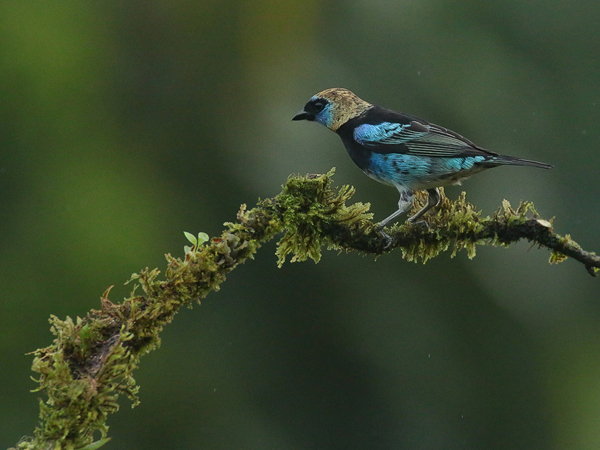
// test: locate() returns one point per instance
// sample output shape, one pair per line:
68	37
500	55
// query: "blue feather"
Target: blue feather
325	117
420	172
415	139
384	133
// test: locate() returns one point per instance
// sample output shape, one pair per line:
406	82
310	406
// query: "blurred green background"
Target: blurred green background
122	124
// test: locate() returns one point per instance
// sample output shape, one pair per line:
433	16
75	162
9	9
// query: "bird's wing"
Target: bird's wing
415	138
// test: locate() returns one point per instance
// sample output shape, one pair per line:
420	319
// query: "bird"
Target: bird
402	150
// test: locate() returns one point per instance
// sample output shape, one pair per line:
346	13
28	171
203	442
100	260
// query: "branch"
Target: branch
91	360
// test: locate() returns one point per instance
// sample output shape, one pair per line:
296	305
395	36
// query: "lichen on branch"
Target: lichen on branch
92	359
315	215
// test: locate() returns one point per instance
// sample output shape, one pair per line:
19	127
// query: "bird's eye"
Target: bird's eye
319	105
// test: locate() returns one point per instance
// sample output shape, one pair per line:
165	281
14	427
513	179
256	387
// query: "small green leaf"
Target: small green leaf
187	249
190	237
202	238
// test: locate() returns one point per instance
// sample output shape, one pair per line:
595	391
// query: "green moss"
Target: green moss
92	359
314	215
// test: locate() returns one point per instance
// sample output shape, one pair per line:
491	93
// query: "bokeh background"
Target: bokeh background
122	124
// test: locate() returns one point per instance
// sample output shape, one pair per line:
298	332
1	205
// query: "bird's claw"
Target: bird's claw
421	223
386	237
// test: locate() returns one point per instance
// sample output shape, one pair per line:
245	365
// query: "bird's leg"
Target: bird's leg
405	202
434	199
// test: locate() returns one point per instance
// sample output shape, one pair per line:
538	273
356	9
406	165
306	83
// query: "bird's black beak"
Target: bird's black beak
303	115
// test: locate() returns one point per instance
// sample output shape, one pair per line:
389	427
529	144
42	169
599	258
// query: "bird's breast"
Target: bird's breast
359	154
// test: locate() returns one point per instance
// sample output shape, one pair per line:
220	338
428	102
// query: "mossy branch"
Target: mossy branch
92	359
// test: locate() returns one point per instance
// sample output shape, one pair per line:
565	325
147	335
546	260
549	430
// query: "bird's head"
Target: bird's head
333	108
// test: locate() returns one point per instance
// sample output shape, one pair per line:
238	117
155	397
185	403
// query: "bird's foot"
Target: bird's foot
420	223
386	237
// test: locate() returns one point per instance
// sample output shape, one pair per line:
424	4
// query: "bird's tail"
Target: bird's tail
512	161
